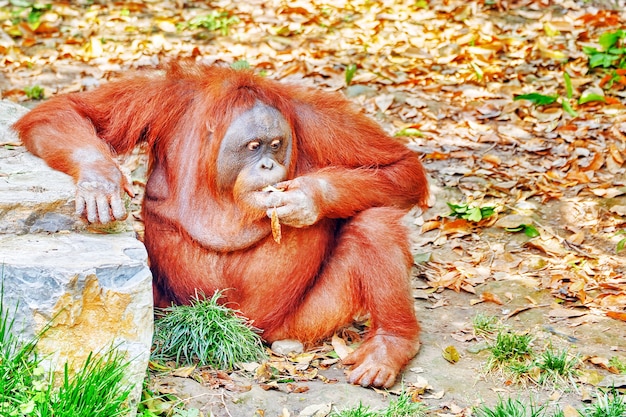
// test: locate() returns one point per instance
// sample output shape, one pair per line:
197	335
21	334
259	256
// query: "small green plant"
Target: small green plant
520	370
350	71
241	64
608	404
34	93
207	333
358	411
404	406
484	325
544	100
510	408
613	77
528	229
556	365
618	364
19	368
511	347
216	20
537	99
471	213
33	16
410	131
97	389
613	53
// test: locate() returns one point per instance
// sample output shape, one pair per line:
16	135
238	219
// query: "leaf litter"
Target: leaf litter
517	105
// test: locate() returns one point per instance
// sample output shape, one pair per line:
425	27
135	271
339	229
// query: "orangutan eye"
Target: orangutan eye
253	146
275	144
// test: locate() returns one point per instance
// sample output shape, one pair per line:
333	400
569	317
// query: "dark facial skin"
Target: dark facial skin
255	150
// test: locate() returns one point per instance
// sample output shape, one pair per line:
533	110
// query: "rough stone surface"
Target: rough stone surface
9	113
34	197
93	290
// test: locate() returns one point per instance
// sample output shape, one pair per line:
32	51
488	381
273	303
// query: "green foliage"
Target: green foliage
358	411
510	347
568	108
589	97
622	242
207	333
537	99
19	368
608	404
410	131
34	93
33	17
613	53
35	13
528	229
350	71
569	89
96	390
613	76
556	365
485	325
420	258
543	100
618	364
241	64
214	21
510	408
404	406
471	213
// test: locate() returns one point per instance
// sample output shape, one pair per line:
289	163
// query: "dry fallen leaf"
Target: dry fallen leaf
340	346
616	315
276	230
451	354
184	371
490	297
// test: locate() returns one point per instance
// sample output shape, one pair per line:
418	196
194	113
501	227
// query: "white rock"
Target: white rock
94	291
287	346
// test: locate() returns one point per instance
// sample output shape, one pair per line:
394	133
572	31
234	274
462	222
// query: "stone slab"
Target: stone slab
91	292
33	197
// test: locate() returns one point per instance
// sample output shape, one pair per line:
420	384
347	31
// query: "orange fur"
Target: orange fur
355	260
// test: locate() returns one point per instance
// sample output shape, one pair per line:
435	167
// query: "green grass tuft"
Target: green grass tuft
510	408
510	347
557	366
404	406
609	404
618	364
206	333
18	368
358	411
485	325
97	390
